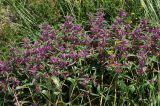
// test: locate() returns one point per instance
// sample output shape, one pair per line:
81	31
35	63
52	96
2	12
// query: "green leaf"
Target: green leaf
24	86
56	93
158	98
154	59
71	80
99	88
132	88
131	55
152	87
158	43
25	102
56	81
122	86
45	92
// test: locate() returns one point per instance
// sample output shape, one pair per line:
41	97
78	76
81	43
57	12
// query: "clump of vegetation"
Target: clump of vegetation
7	31
28	15
152	8
95	64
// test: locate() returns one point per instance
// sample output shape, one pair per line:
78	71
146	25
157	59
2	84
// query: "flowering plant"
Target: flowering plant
71	61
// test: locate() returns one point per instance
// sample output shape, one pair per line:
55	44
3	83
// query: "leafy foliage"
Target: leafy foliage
85	65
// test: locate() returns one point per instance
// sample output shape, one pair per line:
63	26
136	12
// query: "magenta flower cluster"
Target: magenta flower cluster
115	48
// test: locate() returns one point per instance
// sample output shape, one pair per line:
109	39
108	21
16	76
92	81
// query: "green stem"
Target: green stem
158	83
115	94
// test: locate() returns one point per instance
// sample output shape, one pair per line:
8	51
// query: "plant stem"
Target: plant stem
158	83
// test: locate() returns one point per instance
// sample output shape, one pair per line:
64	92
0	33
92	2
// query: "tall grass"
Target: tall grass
152	11
8	29
35	12
28	15
152	8
81	8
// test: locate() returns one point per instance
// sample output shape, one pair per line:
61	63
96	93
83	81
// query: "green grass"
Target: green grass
8	31
28	15
152	8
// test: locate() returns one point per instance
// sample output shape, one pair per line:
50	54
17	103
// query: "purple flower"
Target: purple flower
73	55
51	34
117	64
62	64
37	88
137	33
2	67
2	64
122	13
33	69
64	56
156	33
19	60
26	53
46	75
46	27
77	28
114	27
127	27
143	23
141	63
39	57
96	22
47	48
47	33
141	54
66	73
16	81
118	21
95	30
62	49
68	25
120	32
112	56
140	71
82	54
54	60
68	18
